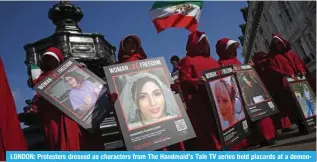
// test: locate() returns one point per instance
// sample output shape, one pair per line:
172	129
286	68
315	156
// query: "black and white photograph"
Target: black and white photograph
77	92
228	106
151	116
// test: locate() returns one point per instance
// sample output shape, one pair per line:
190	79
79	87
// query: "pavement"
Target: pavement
292	141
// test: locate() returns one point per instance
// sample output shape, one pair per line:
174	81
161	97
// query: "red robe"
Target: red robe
124	57
11	134
281	64
199	107
262	129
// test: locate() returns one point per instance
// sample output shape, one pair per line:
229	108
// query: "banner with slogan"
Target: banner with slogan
164	156
151	116
305	100
78	93
258	101
228	107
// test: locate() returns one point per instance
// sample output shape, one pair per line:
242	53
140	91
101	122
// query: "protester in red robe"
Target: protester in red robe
131	50
11	134
263	130
227	52
282	62
199	107
61	132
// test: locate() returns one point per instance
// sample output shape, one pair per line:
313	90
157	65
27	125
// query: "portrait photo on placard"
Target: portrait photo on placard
145	98
228	101
305	98
252	90
76	91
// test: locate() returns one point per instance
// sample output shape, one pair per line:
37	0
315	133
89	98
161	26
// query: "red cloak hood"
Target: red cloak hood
258	57
11	134
124	56
226	58
197	44
57	54
286	44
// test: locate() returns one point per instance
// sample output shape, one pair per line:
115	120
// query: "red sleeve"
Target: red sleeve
274	70
185	77
299	63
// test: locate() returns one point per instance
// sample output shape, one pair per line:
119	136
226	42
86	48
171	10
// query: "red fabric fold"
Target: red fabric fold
11	134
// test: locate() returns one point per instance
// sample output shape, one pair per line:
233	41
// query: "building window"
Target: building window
264	17
301	51
312	39
267	44
261	30
284	11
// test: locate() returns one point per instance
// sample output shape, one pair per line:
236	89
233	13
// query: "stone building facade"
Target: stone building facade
293	20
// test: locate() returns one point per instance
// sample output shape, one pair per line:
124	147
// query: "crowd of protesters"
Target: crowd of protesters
63	133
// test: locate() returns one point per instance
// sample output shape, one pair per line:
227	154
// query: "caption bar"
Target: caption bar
166	156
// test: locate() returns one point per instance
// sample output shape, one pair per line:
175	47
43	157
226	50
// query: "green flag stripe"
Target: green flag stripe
160	4
34	66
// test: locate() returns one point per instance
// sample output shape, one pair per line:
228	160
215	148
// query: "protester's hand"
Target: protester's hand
175	87
251	63
82	65
87	100
202	80
112	97
293	77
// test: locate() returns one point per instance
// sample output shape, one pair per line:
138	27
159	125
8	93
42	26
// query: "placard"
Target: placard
228	106
305	100
151	116
257	100
175	75
78	93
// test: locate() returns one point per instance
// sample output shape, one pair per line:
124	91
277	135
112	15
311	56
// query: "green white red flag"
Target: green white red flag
35	72
176	14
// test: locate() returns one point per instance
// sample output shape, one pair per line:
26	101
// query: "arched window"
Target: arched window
267	44
284	11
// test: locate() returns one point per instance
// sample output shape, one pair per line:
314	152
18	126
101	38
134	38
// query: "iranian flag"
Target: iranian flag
35	72
179	14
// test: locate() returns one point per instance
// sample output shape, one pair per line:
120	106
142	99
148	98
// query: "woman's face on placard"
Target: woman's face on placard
71	81
226	106
151	101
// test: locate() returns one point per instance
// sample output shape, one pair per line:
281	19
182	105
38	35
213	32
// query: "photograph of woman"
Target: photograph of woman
146	100
83	93
225	95
252	89
305	98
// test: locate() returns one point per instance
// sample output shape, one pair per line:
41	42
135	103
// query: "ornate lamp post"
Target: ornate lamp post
90	48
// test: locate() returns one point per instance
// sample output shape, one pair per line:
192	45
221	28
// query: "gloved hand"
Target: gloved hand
175	87
112	97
